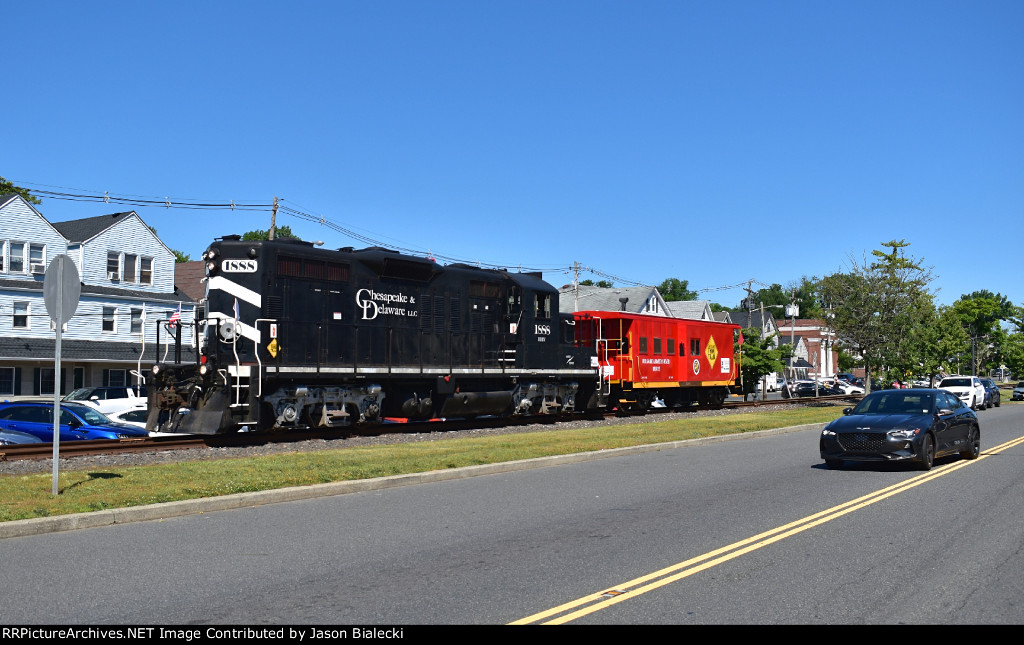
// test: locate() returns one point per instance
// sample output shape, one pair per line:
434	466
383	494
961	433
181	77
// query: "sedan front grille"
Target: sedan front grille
862	441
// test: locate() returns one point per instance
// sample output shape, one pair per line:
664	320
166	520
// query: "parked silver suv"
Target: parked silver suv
1018	392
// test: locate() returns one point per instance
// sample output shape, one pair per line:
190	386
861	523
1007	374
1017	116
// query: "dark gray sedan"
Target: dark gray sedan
895	425
993	398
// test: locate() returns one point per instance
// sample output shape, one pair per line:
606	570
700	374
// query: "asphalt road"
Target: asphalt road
748	531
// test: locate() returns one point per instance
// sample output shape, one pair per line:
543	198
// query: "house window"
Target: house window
47	380
3	254
113	265
108	318
115	378
146	273
129	267
20	315
37	255
17	257
6	380
136	321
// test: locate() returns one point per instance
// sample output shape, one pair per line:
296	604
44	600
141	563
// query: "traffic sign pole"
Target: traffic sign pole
61	290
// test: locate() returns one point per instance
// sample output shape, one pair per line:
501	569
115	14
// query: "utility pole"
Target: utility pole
273	220
575	286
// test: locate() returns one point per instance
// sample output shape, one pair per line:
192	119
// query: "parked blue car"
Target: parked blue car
12	437
77	422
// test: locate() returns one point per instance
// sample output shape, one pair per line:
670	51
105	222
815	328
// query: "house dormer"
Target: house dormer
119	250
27	241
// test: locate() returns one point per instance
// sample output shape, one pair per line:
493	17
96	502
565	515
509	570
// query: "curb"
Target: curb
164	510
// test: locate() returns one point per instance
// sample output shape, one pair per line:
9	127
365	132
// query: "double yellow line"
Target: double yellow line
639	586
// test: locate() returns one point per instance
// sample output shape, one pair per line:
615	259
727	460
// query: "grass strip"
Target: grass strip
28	496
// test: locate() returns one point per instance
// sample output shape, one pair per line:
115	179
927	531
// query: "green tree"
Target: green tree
758	358
8	187
937	339
673	289
279	232
1013	353
980	315
600	283
877	305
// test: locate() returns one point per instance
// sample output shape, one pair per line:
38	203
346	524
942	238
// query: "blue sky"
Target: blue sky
716	142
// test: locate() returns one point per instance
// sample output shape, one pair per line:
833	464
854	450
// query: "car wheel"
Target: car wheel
974	449
834	464
927	456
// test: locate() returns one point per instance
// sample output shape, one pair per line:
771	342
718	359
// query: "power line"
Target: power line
192	204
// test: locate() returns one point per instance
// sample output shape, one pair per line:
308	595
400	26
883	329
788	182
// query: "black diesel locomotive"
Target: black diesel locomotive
297	336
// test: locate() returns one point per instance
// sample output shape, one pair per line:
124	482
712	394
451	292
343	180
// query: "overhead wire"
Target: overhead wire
190	204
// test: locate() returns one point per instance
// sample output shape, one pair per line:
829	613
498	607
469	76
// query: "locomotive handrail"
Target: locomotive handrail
259	362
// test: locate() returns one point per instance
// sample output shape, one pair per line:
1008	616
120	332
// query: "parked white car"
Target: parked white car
108	399
968	389
849	388
135	415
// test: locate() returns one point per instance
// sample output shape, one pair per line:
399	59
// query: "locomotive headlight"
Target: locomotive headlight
157	369
203	369
210	266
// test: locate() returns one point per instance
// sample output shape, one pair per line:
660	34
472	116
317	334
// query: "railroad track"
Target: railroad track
71	449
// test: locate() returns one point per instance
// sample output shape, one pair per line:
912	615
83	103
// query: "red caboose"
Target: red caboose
646	358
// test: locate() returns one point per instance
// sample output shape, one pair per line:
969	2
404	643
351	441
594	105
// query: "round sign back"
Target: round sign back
61	289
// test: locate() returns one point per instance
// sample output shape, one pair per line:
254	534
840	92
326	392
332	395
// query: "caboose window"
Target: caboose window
694	347
657	346
671	347
643	344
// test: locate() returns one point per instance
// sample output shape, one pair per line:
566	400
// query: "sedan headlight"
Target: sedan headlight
904	434
828	433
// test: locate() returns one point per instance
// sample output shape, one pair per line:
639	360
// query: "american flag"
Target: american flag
175	317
